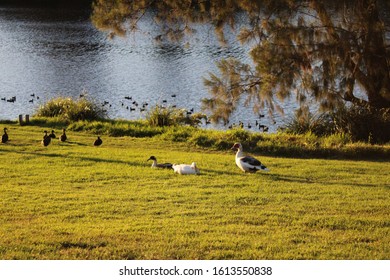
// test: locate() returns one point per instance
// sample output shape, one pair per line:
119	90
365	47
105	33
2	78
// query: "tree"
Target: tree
319	51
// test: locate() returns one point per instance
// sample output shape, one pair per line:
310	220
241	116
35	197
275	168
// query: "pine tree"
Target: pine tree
314	50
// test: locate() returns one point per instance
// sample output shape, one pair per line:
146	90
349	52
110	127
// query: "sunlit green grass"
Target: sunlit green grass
76	201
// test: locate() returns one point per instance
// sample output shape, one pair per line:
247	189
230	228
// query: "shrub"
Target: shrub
363	123
68	109
359	123
304	122
159	116
168	116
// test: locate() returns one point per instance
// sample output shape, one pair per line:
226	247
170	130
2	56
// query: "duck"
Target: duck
52	134
185	169
247	163
98	141
46	139
159	165
4	138
63	136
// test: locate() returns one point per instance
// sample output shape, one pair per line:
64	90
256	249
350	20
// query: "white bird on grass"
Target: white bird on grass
185	169
247	163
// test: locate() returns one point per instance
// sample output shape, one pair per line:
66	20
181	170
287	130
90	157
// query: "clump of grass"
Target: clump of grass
68	109
160	116
304	121
168	116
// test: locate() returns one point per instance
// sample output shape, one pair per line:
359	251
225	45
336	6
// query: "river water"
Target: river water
50	52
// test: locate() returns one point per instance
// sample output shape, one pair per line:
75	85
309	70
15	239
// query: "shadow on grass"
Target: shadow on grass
68	143
374	153
303	180
81	158
103	160
205	171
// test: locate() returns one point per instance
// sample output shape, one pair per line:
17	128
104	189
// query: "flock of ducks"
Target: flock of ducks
131	104
244	162
46	140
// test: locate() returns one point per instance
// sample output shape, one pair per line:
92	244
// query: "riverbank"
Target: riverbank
271	144
72	200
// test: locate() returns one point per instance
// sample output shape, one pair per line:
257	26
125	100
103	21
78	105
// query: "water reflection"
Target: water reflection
49	52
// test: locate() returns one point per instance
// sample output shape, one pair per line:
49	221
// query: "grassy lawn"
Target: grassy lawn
76	201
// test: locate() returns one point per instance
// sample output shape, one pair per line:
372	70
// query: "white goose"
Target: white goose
247	163
185	169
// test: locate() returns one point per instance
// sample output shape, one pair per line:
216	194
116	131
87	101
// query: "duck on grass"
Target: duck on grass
247	163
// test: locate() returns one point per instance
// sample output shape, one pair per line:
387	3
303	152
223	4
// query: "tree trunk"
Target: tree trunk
378	91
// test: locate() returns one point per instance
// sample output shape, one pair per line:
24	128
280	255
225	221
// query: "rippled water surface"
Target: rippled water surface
47	52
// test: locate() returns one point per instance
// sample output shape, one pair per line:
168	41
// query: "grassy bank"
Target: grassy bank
76	201
307	145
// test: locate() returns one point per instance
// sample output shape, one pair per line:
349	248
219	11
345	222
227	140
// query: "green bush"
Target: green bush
304	122
160	116
356	123
168	116
68	109
363	123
